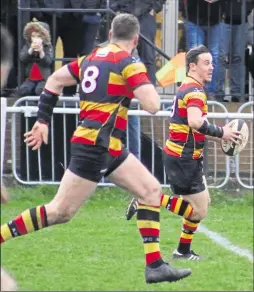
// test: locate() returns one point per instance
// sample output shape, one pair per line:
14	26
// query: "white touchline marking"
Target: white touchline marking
224	242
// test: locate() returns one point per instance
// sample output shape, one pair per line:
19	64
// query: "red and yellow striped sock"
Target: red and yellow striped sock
188	231
148	221
30	220
177	205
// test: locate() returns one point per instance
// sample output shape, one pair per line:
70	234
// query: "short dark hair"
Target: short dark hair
192	55
6	46
124	27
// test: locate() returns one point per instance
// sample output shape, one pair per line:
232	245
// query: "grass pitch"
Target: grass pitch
100	250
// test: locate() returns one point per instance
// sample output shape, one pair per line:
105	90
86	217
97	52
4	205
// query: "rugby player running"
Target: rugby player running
109	78
183	150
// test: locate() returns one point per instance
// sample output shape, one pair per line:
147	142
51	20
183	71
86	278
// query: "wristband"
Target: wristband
211	130
46	105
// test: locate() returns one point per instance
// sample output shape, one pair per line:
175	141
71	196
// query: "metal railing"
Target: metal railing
154	129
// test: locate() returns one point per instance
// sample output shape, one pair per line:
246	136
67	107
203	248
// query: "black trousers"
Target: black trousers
145	51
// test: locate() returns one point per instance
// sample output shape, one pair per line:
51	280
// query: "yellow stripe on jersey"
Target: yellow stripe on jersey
115	143
90	134
174	147
116	79
179	128
122	112
104	107
133	69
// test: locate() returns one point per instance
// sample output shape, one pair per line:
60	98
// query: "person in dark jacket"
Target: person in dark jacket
76	30
202	27
233	41
37	57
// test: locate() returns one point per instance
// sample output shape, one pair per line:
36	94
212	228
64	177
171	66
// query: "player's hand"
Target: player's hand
37	135
230	135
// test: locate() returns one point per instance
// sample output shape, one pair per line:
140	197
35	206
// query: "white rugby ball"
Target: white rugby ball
231	148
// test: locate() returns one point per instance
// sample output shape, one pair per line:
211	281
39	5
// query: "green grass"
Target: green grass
100	250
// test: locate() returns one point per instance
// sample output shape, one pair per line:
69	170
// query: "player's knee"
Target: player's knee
152	194
58	214
199	213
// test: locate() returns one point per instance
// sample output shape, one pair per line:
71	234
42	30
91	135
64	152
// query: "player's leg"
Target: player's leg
7	282
77	184
187	180
133	176
172	203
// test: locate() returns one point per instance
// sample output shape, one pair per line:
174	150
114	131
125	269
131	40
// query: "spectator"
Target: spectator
233	40
202	27
91	23
70	28
146	13
37	57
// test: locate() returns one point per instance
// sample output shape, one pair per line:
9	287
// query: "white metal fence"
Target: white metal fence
219	168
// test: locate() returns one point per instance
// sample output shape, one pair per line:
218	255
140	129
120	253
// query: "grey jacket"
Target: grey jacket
44	63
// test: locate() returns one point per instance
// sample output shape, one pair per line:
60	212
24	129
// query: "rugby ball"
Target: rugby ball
231	148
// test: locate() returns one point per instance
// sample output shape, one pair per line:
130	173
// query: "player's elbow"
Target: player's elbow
195	123
153	109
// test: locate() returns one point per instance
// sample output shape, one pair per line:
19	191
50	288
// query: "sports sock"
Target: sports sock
176	205
188	230
148	221
30	220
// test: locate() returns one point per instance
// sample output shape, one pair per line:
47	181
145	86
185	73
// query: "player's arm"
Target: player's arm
148	98
136	76
63	77
195	102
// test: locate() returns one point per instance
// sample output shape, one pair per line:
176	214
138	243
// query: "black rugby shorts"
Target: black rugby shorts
185	175
92	162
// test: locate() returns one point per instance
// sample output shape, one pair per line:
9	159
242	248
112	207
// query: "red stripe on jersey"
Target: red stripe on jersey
182	112
121	123
152	257
149	232
82	140
114	89
74	67
138	79
115	152
182	137
97	115
199	137
195	102
21	225
171	153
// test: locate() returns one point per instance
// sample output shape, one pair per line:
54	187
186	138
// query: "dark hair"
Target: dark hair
6	46
192	55
124	27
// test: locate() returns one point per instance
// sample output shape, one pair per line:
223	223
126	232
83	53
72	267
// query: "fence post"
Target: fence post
3	128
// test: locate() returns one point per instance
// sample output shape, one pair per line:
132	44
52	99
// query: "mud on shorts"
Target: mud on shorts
186	176
93	162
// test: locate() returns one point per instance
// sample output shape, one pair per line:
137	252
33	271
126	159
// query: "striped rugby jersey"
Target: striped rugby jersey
184	141
107	79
